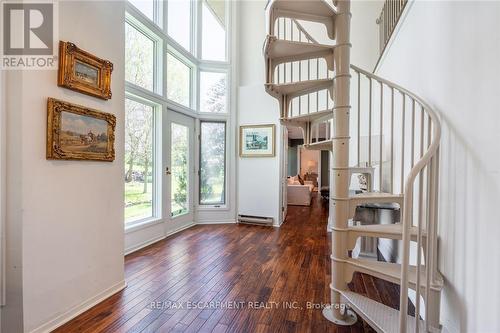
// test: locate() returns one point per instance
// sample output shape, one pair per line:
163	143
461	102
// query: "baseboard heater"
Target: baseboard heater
259	220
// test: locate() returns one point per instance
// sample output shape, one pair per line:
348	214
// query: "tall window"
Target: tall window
176	59
214	30
139	58
213	90
178	81
179	22
212	163
139	160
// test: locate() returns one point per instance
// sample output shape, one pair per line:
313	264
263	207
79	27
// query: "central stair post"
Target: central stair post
339	176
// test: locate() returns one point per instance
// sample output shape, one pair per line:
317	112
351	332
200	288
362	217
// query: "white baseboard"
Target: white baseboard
141	245
144	244
219	221
191	224
79	309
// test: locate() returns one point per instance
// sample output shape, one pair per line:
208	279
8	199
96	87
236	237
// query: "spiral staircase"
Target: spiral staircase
374	128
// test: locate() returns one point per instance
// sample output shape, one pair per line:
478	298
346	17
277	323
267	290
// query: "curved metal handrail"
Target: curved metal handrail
424	161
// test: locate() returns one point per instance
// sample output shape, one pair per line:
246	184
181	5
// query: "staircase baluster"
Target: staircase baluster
370	124
381	132
428	228
317	92
300	76
359	118
403	143
413	133
420	222
392	140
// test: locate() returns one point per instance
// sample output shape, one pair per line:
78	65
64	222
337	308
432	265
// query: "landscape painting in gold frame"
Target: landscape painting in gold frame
84	72
75	132
257	140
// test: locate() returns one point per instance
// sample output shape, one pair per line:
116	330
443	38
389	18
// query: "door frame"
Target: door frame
173	224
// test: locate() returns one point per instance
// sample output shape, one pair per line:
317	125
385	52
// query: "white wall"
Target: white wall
447	52
364	33
65	218
258	178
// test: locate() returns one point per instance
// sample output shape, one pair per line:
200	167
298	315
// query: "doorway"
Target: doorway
180	170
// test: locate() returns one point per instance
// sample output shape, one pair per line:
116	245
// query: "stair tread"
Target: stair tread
361	169
286	50
311	116
298	88
380	317
391	271
388	229
371	195
317	8
320	145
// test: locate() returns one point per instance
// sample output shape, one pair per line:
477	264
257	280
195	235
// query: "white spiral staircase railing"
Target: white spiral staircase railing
395	137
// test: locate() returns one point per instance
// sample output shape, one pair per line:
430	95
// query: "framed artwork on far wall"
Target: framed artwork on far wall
257	140
83	72
76	132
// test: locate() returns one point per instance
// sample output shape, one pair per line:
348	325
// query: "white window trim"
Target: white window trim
192	76
158	31
211	206
157	171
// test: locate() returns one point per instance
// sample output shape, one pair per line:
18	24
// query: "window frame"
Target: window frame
157	50
212	69
199	40
210	206
192	78
192	27
157	30
191	196
156	194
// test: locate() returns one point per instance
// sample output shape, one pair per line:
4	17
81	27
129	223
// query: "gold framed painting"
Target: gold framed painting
75	132
84	72
257	140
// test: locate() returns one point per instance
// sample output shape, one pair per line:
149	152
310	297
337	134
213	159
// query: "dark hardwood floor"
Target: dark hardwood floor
227	270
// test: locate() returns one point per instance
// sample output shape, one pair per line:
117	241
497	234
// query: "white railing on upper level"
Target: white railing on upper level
387	21
392	130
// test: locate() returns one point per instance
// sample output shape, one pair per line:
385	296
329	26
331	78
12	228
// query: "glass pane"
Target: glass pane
139	58
178	80
179	22
145	6
139	162
213	45
180	170
213	88
212	163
